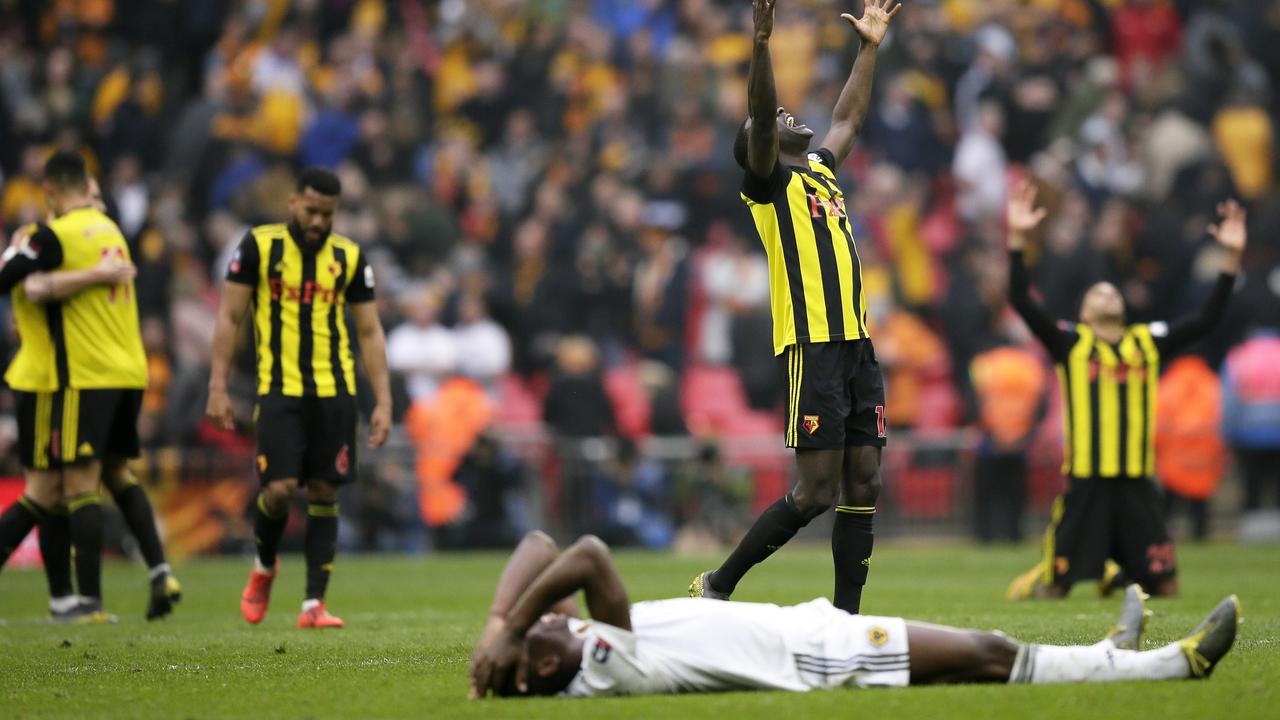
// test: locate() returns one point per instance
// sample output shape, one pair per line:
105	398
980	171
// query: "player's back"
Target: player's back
701	645
95	333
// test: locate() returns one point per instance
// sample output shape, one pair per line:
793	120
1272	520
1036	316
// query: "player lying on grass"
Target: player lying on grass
534	643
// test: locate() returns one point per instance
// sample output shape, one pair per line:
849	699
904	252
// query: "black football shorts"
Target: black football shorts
836	395
71	426
306	438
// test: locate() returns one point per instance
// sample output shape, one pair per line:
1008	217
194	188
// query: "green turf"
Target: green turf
411	622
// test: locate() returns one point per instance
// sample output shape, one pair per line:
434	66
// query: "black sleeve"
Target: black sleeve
765	190
361	288
40	252
1182	333
1056	338
243	268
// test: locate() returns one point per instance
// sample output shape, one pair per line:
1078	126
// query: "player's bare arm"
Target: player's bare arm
236	298
43	287
534	554
855	98
762	95
585	566
373	347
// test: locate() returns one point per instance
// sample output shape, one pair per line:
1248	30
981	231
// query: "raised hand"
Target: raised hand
874	22
1021	212
762	14
1231	232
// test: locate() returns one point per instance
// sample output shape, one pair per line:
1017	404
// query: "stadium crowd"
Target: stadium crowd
548	195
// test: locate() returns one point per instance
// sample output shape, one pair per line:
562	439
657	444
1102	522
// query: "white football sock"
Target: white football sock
157	571
64	603
1103	662
310	603
258	566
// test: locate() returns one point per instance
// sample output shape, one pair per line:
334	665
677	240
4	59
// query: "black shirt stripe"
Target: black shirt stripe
335	343
827	262
274	261
306	338
791	254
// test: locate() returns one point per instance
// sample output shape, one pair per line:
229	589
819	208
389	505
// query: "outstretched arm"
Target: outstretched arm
585	566
1232	235
1022	216
534	554
762	96
855	98
45	286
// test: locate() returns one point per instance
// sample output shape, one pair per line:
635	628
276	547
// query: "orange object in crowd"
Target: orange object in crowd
443	429
1010	384
1190	454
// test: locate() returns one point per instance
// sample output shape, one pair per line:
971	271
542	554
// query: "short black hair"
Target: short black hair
321	180
66	169
740	144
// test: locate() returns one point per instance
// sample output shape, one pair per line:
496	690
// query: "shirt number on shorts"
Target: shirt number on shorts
880	425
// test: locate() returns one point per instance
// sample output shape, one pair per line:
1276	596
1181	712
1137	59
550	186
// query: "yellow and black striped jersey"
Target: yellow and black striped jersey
1109	390
90	340
815	275
299	309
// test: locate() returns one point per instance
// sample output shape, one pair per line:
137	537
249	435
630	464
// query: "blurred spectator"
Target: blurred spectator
482	346
712	500
1009	383
576	404
630	498
736	281
1190	456
979	165
1251	415
494	479
420	348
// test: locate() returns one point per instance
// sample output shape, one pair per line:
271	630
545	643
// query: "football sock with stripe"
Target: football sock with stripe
1103	662
776	525
852	540
16	521
86	537
321	547
55	548
141	520
267	529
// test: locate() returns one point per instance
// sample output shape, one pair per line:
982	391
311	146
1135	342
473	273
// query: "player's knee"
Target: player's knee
813	499
540	539
278	494
322	493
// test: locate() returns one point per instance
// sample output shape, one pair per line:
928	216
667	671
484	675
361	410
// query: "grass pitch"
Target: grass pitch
411	622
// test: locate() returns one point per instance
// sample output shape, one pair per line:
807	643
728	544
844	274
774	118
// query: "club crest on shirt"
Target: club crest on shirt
335	269
602	651
811	423
1061	564
262	464
878	636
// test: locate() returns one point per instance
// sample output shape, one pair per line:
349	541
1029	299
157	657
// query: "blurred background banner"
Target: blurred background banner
576	302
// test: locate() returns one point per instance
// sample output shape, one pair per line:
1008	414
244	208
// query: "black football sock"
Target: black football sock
141	520
851	543
321	547
86	537
776	525
16	521
267	529
55	548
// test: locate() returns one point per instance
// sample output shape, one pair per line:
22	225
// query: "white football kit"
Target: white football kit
701	645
